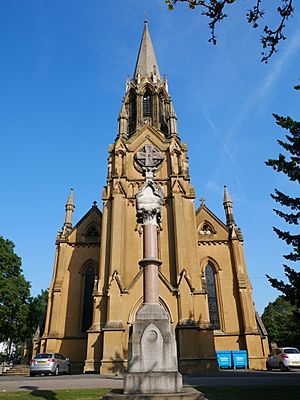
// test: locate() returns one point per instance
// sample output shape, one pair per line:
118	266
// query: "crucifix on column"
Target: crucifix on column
152	356
149	158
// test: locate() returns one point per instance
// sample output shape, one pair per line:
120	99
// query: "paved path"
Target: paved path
222	378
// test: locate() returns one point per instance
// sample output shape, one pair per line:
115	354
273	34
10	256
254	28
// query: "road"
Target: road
222	378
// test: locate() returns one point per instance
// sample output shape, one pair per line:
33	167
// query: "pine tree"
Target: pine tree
289	164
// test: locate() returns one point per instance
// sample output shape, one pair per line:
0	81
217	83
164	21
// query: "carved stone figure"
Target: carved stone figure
149	202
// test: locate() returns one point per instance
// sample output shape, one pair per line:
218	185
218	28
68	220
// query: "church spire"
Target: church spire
227	202
69	212
146	62
147	100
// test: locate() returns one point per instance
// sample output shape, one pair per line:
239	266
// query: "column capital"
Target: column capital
149	200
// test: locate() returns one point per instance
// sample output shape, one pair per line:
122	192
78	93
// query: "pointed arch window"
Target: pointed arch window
162	115
132	106
212	297
132	111
87	310
206	229
92	232
147	104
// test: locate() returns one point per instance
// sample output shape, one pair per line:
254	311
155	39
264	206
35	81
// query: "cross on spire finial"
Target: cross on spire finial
145	17
202	199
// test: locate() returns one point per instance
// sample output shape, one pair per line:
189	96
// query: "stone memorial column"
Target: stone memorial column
149	204
152	359
148	215
150	262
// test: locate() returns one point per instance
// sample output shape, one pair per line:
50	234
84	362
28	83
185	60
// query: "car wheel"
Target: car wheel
269	368
283	367
55	373
31	373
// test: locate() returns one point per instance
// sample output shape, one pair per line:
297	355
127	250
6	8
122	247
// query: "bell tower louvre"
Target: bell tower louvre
97	284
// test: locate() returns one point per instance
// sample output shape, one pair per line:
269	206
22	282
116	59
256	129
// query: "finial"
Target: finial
145	18
94	203
69	213
227	198
70	200
227	203
202	199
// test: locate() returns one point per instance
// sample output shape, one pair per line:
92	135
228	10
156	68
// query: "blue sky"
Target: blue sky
62	78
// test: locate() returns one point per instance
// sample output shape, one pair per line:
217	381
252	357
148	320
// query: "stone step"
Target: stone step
20	370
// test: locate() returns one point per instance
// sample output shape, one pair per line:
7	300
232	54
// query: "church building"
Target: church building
97	284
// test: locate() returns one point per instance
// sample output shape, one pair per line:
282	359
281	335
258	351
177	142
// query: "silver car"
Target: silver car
49	363
284	358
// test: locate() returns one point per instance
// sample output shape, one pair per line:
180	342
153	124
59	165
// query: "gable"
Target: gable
88	228
209	226
147	135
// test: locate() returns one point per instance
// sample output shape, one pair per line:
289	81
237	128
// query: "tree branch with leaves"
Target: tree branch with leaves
216	11
20	313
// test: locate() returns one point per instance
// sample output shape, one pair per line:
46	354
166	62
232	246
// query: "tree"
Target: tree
289	164
281	324
14	295
20	313
36	311
216	10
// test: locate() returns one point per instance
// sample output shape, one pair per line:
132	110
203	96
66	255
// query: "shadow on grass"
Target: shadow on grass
258	392
44	394
39	393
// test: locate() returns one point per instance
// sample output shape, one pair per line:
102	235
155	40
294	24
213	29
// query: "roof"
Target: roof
146	61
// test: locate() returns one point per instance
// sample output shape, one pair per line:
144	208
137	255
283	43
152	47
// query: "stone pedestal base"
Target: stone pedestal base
152	382
187	393
152	364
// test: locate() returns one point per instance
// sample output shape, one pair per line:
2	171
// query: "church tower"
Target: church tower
96	288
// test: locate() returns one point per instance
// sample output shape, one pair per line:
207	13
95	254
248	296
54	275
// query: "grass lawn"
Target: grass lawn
67	394
212	393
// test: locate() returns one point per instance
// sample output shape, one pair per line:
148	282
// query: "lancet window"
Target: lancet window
147	104
212	297
87	310
132	111
162	115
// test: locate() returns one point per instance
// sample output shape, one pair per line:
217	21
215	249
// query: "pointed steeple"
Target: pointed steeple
227	198
146	61
227	202
69	212
147	100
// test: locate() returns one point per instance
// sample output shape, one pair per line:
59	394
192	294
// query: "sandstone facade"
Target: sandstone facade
97	285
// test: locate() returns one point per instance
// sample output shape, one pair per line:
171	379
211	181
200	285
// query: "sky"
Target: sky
62	79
